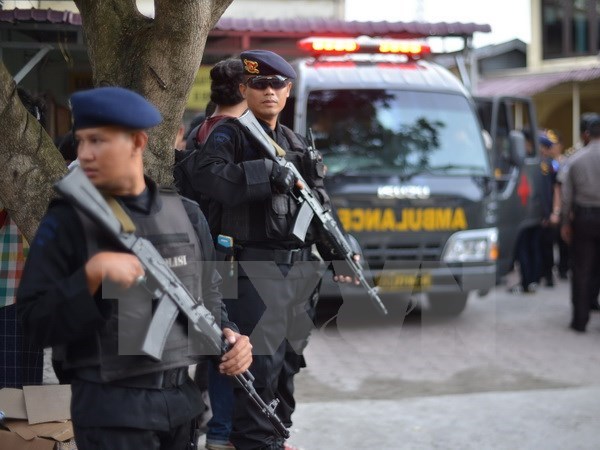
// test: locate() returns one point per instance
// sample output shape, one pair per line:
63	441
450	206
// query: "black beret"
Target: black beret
113	106
264	62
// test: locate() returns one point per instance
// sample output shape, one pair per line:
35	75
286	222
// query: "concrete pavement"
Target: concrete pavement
551	419
541	419
506	374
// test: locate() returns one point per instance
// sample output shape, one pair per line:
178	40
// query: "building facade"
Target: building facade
44	48
563	68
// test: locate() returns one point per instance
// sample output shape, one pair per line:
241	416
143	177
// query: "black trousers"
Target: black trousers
586	267
564	257
275	313
547	238
113	438
528	254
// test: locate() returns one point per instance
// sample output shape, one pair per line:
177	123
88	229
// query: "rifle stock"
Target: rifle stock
172	294
305	197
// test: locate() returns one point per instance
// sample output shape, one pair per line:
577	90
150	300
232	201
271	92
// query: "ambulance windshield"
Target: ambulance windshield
396	132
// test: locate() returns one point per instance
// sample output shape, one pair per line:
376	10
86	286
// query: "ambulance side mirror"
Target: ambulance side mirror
517	147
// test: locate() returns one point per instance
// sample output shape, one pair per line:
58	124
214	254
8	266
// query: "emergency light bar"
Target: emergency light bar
340	46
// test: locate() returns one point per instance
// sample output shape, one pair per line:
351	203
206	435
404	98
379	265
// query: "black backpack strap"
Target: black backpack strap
192	139
193	144
182	169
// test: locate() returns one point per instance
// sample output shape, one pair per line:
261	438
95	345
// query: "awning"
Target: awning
531	84
298	26
335	27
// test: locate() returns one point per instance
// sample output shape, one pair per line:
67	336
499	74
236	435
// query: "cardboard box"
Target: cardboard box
37	418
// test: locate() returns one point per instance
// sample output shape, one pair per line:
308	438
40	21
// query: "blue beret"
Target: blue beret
544	140
264	62
107	106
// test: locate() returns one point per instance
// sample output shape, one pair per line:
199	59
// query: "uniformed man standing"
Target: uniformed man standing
225	79
584	127
275	276
549	218
121	399
580	217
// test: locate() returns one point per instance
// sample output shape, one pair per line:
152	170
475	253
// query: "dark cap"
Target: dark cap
586	120
118	106
264	62
544	139
594	127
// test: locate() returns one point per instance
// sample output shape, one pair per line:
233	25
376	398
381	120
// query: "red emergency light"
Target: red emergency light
341	46
404	47
334	46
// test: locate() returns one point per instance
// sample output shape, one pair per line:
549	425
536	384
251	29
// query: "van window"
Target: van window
393	131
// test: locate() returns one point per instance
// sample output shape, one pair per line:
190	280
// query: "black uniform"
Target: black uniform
273	301
123	401
581	207
547	231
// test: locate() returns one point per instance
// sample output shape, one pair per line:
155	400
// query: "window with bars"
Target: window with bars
570	28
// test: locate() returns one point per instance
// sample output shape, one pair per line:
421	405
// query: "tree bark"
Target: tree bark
29	161
156	57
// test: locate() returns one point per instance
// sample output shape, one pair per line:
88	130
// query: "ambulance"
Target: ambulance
408	169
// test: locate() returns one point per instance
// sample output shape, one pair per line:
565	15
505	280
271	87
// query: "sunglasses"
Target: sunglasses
261	83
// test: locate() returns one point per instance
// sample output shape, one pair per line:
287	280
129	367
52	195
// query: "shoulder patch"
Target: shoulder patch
45	232
221	137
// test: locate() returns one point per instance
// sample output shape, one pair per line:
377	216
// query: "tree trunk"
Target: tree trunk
156	57
29	161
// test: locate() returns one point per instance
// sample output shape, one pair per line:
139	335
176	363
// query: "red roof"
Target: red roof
302	26
40	16
331	27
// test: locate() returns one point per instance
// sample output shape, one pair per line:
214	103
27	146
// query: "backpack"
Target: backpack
184	165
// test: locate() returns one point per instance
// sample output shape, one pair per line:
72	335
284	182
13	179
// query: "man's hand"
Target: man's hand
121	268
347	278
566	233
282	179
238	359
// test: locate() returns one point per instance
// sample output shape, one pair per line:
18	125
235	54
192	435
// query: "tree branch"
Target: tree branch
218	8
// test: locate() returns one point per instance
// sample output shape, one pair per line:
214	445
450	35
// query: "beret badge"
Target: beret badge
251	66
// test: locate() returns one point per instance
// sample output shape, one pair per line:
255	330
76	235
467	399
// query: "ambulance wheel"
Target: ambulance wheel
451	304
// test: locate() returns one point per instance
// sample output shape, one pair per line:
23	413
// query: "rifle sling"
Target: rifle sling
280	152
126	222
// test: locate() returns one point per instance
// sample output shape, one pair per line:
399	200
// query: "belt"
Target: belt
279	256
166	379
587	210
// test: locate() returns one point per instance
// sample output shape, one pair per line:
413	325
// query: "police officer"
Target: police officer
580	218
550	219
275	276
226	77
121	398
569	156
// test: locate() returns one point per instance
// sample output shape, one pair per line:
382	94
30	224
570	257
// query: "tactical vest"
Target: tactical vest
115	347
279	209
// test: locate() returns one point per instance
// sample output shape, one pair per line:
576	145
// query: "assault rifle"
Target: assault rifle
310	207
162	284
